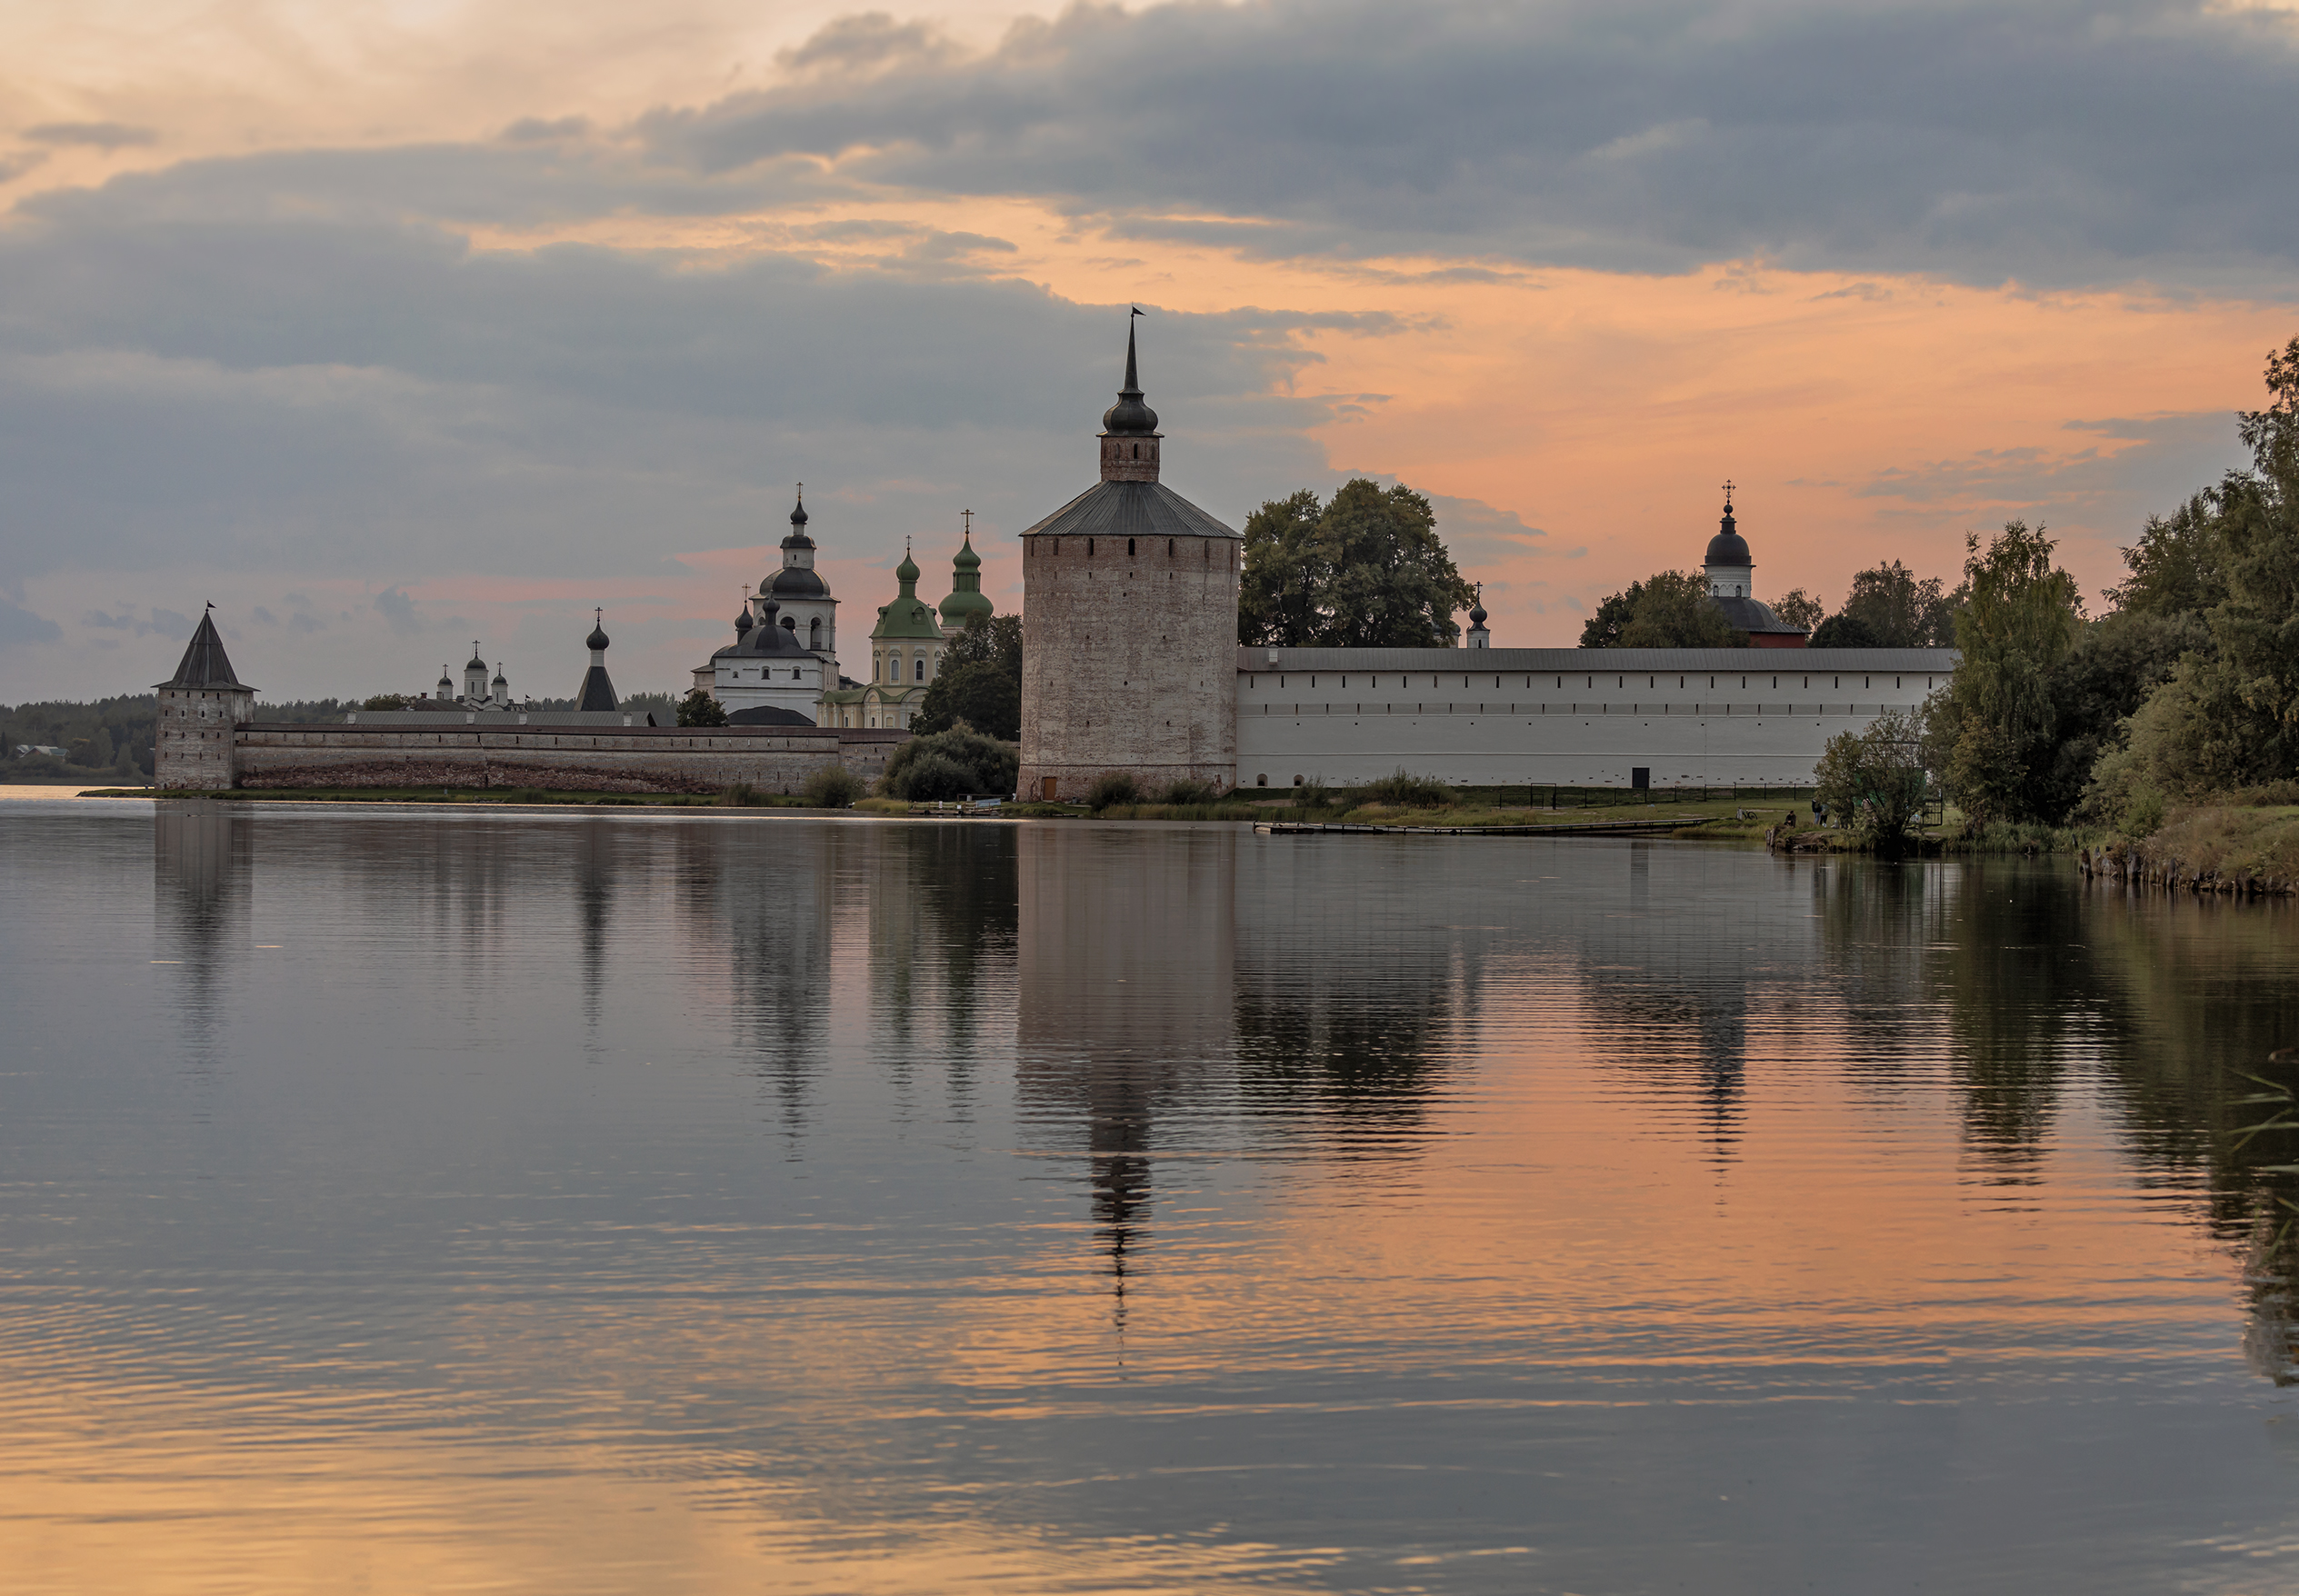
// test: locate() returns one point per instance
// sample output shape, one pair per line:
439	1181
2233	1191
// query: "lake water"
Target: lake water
400	1201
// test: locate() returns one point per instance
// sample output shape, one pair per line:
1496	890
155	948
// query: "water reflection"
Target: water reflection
1453	1199
1355	977
202	867
1126	953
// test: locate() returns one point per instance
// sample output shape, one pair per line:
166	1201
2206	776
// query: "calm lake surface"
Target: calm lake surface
669	1202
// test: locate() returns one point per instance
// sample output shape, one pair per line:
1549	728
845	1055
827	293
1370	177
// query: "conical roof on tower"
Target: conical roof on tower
205	664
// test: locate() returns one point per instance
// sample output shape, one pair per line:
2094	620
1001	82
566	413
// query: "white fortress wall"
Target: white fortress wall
1566	716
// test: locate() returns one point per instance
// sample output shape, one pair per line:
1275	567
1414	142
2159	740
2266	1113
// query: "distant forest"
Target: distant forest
109	741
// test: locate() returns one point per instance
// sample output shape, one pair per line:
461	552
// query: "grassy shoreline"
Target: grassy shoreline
2248	850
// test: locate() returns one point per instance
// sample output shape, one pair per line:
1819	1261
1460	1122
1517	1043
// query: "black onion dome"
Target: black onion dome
1476	610
742	622
1129	414
796	582
1728	547
798	538
598	636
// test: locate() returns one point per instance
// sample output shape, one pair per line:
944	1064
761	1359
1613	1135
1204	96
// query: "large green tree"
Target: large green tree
1669	609
1674	611
1899	611
1365	570
1604	629
1996	725
978	681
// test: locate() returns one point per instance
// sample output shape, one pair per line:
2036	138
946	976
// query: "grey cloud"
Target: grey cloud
2166	458
2059	140
100	135
201	374
18	624
2174	454
867	42
538	130
395	607
163	622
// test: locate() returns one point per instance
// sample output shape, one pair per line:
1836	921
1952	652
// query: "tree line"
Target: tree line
2184	690
1888	607
2187	689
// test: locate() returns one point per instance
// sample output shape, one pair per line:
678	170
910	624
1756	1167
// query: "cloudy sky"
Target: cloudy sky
387	325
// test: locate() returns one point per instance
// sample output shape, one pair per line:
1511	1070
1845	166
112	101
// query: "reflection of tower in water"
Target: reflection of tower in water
1125	953
759	912
203	869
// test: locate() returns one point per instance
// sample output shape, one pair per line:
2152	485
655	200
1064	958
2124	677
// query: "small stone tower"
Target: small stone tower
199	706
1130	610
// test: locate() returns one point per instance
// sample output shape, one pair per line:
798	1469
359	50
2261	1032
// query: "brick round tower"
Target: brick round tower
1129	609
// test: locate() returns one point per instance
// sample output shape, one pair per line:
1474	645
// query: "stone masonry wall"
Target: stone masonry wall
193	744
1132	661
638	759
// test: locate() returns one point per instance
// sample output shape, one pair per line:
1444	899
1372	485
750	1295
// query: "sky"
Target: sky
388	327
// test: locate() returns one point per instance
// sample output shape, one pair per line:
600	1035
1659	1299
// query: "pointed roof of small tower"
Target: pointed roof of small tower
205	664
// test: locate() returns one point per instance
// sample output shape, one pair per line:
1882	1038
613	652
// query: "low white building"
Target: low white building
1596	717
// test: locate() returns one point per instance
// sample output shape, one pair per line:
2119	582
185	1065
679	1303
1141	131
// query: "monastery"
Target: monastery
1132	665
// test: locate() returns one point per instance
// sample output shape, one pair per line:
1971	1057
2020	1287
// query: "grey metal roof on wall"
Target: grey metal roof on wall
1129	509
1936	661
401	720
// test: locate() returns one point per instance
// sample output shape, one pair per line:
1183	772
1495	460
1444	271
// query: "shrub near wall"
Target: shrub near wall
957	764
